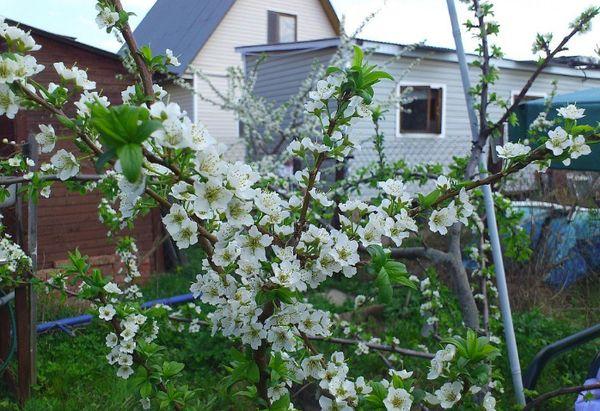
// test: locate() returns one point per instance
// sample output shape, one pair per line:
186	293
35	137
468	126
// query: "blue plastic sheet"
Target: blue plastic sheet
570	245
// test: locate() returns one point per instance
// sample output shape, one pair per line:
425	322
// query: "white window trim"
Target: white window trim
442	133
529	93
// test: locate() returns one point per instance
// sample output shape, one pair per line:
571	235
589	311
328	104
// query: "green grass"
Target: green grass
74	375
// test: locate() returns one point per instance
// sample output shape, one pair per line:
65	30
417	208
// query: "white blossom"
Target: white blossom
106	312
397	399
558	141
9	102
571	112
106	17
171	59
441	219
65	163
512	150
46	138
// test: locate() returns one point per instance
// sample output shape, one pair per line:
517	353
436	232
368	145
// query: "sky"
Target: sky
398	21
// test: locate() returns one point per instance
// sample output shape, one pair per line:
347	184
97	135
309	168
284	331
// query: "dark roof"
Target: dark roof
581	98
577	62
71	41
331	42
184	26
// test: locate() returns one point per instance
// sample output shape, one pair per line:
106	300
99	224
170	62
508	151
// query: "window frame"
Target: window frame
273	15
420	134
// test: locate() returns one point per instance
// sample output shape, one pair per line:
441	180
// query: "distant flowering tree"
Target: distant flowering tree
262	251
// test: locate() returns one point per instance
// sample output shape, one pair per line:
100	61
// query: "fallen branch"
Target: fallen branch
379	347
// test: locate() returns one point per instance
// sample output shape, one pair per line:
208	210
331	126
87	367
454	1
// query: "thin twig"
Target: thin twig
379	347
561	391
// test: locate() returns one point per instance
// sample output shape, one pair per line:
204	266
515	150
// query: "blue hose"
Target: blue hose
65	323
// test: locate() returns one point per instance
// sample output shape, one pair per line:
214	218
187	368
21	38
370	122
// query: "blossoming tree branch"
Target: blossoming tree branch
262	251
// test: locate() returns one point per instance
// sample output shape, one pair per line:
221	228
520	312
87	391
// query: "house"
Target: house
69	220
204	34
437	127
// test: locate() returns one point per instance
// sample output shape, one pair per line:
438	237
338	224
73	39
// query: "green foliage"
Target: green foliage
473	348
362	77
387	272
122	131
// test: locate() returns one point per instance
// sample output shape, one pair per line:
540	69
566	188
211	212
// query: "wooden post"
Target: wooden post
25	297
32	249
24	344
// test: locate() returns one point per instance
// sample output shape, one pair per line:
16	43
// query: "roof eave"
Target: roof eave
331	16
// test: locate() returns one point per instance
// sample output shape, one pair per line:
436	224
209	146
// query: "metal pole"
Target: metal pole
509	332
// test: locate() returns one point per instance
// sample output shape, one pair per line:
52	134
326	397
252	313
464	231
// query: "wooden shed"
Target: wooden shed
68	220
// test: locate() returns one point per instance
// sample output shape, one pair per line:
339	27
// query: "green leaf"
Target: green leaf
384	286
171	368
145	390
131	159
426	201
397	273
122	125
104	158
358	57
282	404
67	122
582	129
378	255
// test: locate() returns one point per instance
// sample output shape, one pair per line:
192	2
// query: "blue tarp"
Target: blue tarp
570	247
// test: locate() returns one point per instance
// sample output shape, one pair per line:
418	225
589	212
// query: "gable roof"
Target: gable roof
68	40
181	25
186	25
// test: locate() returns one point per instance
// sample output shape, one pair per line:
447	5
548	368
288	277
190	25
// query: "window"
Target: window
424	113
528	96
281	27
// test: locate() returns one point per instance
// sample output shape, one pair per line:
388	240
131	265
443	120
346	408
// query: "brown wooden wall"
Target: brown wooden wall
69	220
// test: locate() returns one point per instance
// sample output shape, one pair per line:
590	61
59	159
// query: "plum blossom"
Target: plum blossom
395	188
65	164
512	150
112	288
449	394
9	102
558	141
88	98
578	148
187	234
124	371
78	76
441	219
20	38
106	312
106	17
571	112
46	138
489	402
397	399
171	59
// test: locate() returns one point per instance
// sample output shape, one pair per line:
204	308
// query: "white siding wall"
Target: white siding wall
246	24
181	96
456	141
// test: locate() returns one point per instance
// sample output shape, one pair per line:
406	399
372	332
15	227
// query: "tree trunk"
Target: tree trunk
463	292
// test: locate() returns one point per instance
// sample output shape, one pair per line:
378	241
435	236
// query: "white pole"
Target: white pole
509	332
